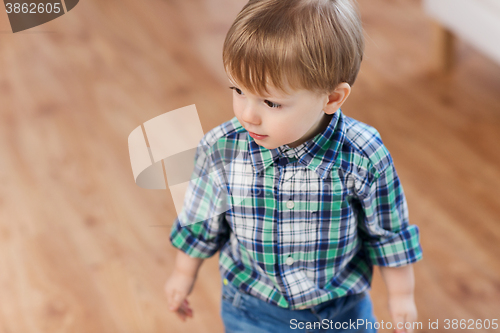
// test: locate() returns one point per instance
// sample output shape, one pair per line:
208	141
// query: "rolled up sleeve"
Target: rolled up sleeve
387	236
201	229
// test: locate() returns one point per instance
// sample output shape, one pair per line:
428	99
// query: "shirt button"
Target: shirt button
289	261
290	204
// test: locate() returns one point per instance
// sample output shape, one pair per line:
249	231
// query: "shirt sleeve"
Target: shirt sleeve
201	229
387	236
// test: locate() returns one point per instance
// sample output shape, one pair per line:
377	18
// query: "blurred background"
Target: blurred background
84	249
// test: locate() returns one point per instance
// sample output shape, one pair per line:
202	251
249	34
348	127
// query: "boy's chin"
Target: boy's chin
263	145
266	145
269	145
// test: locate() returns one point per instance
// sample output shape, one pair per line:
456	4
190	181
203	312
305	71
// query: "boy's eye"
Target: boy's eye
238	91
271	104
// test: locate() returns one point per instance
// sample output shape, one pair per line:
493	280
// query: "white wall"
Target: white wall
476	21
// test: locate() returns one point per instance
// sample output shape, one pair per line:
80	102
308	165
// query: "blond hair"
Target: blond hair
303	44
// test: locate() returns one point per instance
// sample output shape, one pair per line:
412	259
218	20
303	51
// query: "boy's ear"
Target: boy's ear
337	97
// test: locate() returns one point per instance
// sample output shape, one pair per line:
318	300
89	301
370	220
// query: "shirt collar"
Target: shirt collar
318	154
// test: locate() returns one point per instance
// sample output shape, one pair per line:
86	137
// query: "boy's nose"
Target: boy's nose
251	116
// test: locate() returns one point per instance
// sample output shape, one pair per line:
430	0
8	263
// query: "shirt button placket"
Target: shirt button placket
284	195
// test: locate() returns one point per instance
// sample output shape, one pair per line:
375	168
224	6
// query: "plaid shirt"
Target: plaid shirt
297	226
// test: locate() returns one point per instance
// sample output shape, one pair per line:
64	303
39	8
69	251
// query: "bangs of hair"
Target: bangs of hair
294	44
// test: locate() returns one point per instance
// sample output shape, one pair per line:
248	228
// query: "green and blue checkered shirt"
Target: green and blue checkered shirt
297	226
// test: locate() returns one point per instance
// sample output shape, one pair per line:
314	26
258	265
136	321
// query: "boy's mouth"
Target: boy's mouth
257	136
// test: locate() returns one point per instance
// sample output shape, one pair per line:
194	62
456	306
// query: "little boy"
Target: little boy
321	203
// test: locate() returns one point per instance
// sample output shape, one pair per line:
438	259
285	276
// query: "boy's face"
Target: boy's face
282	119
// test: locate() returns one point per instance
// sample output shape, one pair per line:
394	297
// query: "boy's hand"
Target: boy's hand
403	310
177	288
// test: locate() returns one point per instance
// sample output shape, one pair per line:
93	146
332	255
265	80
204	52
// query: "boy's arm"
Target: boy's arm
398	280
400	284
390	241
181	282
200	230
186	264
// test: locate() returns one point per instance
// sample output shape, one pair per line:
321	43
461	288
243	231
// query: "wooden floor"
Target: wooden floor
84	249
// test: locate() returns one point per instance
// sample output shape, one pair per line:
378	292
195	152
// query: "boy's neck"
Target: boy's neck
321	125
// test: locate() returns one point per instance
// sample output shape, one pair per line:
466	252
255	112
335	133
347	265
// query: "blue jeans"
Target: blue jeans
243	313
